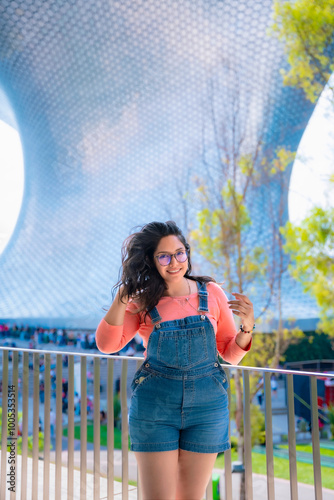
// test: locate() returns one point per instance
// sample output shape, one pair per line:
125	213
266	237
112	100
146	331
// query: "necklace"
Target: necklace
184	300
187	298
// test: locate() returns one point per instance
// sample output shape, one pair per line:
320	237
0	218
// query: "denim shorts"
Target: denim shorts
170	411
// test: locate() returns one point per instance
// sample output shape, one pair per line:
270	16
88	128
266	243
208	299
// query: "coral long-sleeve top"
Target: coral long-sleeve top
110	338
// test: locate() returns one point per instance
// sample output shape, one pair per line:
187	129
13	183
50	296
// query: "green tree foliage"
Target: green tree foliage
307	30
264	347
257	417
220	236
331	419
312	346
311	248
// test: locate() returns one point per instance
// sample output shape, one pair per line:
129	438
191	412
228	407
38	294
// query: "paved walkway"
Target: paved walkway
282	487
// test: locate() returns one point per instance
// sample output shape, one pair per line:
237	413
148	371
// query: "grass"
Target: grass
308	449
103	435
281	469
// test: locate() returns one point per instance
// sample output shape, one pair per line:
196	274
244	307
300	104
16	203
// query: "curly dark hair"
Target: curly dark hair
139	275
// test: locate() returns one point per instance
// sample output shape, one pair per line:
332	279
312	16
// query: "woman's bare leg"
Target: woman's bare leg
194	472
158	474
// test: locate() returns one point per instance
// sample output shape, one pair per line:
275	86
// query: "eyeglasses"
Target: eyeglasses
165	258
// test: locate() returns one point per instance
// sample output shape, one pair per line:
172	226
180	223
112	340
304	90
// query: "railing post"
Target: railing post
247	438
47	409
35	431
83	429
227	453
139	495
208	493
315	439
14	389
59	424
125	433
292	439
269	438
35	490
97	434
110	430
25	410
70	429
4	424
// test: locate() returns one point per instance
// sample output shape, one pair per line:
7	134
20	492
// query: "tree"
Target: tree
307	30
278	183
230	158
312	346
235	165
311	248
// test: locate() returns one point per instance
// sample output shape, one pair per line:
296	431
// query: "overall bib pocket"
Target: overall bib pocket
182	349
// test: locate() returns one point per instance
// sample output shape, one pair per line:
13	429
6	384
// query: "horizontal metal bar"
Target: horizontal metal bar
69	353
109	356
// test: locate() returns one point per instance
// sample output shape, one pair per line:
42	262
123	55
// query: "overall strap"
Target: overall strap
155	316
203	297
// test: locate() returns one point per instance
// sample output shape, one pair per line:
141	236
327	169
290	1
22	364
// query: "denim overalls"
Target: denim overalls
179	397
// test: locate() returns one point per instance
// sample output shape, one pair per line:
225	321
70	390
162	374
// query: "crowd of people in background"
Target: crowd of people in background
38	336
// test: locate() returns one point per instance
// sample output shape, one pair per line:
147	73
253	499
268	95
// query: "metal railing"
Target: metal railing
36	474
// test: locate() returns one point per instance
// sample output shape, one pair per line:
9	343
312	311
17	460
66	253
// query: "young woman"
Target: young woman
179	407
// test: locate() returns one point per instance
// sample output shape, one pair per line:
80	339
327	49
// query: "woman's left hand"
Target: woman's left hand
243	308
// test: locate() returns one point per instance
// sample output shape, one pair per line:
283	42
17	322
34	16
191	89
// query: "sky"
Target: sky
11	181
308	184
314	163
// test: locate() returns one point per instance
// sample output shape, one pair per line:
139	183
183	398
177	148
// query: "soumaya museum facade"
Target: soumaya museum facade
114	105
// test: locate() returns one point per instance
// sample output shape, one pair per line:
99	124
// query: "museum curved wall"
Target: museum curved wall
110	99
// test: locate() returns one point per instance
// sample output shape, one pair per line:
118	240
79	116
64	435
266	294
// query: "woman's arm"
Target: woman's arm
118	326
116	313
243	308
231	344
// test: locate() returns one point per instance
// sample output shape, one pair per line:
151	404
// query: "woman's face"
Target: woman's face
174	271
